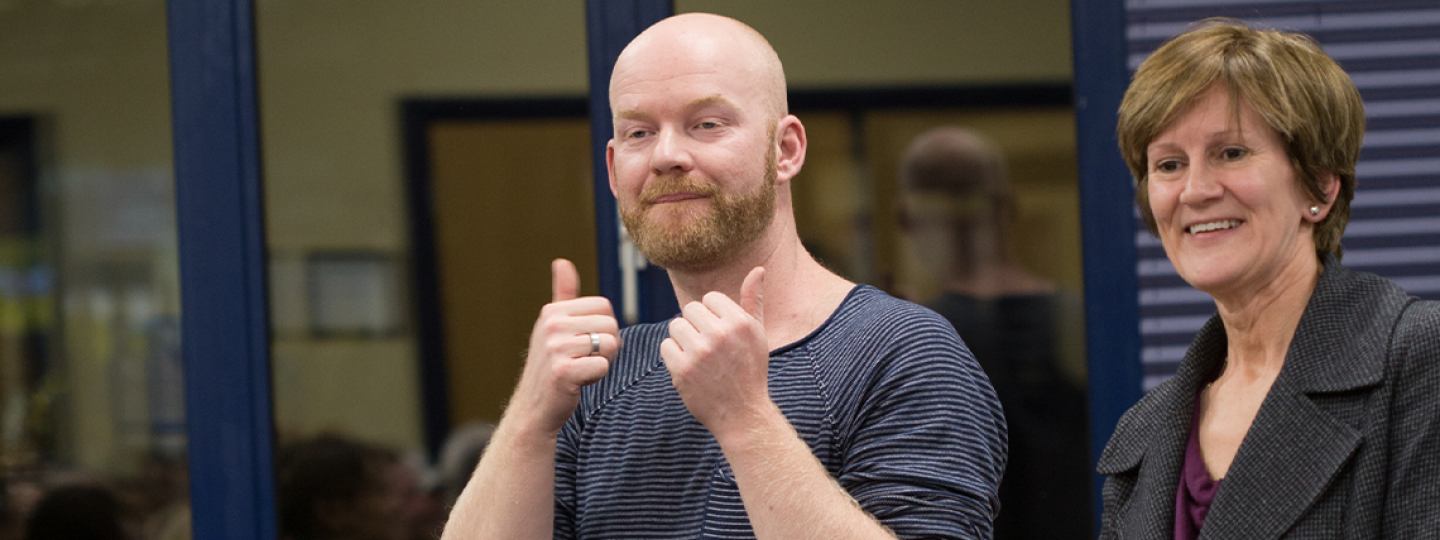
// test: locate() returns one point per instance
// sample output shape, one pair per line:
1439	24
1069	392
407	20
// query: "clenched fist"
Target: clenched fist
719	359
562	359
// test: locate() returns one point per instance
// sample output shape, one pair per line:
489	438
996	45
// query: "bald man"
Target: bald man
784	401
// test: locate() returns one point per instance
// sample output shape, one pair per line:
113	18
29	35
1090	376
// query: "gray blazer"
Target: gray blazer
1345	445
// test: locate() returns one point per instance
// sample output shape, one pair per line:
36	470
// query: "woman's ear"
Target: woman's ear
1330	185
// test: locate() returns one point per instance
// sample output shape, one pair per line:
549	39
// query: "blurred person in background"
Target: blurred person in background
459	456
332	488
424	511
957	208
1309	405
161	496
79	512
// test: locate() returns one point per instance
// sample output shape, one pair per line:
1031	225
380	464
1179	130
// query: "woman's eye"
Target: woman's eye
1232	153
1167	166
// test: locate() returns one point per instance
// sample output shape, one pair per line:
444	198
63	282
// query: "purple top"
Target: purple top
1197	490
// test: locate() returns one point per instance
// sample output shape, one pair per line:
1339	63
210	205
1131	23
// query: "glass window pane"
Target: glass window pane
92	418
356	344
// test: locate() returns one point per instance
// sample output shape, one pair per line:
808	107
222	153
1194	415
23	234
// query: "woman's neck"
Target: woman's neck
1260	324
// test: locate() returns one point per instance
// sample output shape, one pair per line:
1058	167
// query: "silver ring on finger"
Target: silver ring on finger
594	344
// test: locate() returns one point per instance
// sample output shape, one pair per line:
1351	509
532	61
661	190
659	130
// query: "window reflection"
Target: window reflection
92	439
353	341
972	211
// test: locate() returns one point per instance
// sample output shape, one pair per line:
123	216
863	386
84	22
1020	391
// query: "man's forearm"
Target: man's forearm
787	493
512	493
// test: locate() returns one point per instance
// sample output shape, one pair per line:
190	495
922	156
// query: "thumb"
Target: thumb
752	293
564	280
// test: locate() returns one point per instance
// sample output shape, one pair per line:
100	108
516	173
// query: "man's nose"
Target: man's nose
1202	184
671	152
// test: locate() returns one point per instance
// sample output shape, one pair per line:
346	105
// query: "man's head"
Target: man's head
704	146
333	487
955	176
955	198
955	164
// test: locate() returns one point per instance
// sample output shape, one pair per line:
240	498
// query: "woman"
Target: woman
1307	407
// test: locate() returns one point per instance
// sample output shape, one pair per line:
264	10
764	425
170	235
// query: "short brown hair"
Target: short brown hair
1283	76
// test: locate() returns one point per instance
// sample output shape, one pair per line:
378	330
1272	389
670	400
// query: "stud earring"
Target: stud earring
1314	210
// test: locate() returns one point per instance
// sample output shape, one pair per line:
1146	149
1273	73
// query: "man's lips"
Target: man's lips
676	197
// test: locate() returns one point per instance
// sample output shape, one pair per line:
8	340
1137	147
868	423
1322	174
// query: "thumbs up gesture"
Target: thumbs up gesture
719	359
570	347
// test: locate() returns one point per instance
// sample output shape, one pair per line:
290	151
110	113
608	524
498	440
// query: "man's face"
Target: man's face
667	234
693	162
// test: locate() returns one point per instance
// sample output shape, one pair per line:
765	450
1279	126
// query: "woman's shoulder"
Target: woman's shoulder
1343	286
1415	347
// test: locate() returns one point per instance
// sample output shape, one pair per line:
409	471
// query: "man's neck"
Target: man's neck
798	294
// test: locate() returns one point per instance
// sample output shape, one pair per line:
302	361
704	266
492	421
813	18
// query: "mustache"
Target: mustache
676	183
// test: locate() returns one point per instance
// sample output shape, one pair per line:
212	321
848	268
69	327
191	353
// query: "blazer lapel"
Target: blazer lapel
1152	514
1290	454
1154	435
1301	440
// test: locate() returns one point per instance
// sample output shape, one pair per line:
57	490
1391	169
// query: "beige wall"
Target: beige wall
332	73
848	43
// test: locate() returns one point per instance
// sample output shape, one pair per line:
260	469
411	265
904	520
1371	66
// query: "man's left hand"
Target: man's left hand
719	359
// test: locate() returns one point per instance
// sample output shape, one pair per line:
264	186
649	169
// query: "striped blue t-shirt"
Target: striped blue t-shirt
884	392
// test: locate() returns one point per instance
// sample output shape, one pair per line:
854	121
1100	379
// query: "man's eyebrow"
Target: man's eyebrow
716	100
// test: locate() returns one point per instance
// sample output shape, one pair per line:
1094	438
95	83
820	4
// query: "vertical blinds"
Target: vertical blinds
1391	49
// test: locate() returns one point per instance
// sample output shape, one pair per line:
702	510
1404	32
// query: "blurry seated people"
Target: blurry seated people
459	456
77	512
957	207
331	488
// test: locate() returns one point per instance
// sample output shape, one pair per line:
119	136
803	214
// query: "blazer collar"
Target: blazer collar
1342	337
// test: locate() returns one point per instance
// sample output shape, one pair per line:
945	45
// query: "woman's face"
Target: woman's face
1229	210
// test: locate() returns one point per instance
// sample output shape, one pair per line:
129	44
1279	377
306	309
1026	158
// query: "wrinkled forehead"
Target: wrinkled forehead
1227	109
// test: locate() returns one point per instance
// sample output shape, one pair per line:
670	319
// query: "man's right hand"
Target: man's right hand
559	362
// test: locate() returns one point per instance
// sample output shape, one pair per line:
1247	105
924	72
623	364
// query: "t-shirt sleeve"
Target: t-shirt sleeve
927	446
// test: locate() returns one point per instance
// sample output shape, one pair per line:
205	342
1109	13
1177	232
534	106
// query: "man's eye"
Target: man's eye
638	134
709	125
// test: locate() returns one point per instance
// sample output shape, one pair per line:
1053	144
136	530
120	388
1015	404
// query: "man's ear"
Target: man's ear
790	136
610	165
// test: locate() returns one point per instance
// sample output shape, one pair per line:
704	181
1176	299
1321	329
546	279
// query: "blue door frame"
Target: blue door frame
224	318
1107	194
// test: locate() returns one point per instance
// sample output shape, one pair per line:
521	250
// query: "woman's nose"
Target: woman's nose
1202	184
